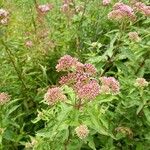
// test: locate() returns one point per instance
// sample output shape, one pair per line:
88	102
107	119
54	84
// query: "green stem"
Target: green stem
80	23
68	139
140	66
82	16
10	55
8	51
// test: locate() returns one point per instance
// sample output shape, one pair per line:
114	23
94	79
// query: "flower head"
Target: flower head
90	69
133	36
53	95
116	15
121	11
66	1
4	98
141	7
123	8
3	13
141	82
66	63
3	16
82	131
4	21
29	43
65	8
105	89
110	84
88	91
45	8
106	2
80	77
68	79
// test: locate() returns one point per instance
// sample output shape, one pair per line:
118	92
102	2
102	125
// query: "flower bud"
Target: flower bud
82	131
4	98
106	2
133	36
141	82
53	95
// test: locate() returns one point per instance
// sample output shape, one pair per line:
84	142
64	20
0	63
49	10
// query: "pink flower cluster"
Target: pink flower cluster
68	79
106	2
144	9
53	95
67	8
88	91
28	43
82	131
66	63
89	69
133	36
45	8
109	85
79	77
3	16
4	98
141	82
121	11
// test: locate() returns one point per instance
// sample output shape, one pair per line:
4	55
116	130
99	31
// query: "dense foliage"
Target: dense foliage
74	75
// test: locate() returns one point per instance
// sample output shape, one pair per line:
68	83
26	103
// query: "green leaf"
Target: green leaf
147	114
9	135
95	123
91	142
109	51
139	108
12	102
105	98
70	92
122	67
12	110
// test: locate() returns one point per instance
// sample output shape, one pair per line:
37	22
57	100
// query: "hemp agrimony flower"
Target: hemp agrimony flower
110	85
4	98
133	36
53	95
141	7
66	63
82	131
121	11
106	2
45	8
3	16
88	91
141	82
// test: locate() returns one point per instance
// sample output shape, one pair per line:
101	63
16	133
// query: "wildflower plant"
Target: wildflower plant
74	75
79	107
